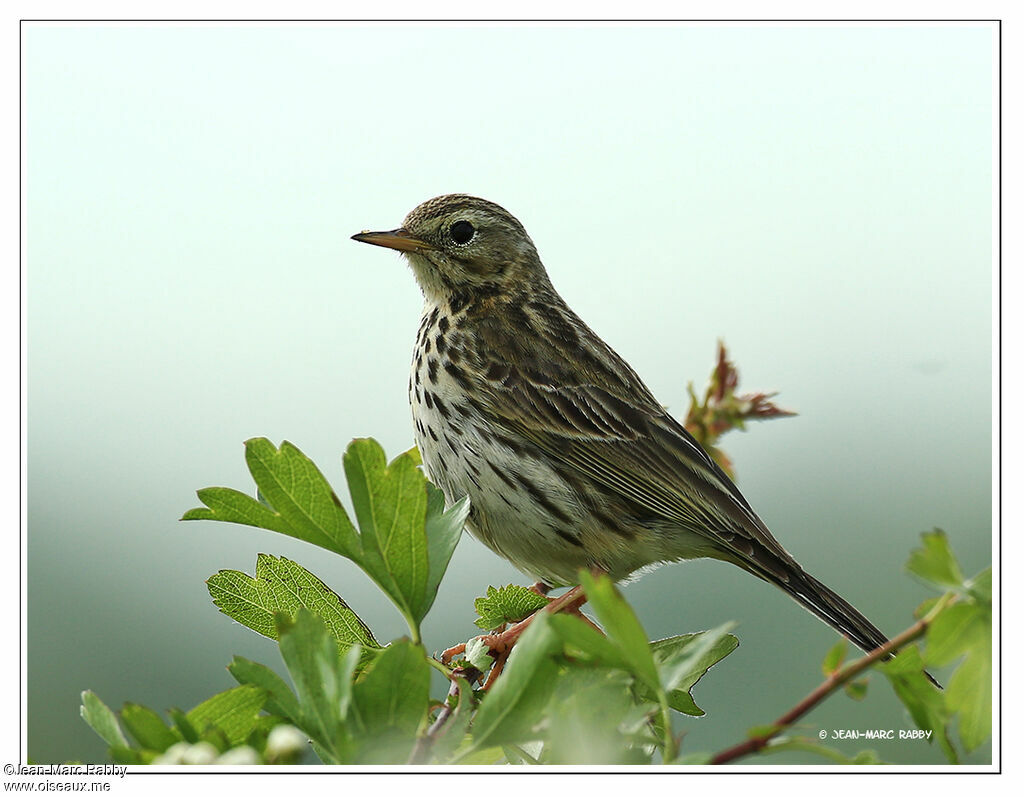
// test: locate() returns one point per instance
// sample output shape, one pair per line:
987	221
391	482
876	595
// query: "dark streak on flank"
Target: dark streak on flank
502	475
541	498
441	407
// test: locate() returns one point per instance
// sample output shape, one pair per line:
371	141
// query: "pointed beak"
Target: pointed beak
399	239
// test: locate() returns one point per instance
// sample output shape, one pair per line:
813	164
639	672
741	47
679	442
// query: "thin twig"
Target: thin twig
833	682
424	743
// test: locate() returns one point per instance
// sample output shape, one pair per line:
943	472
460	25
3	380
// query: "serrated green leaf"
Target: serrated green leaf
300	494
281	585
834	658
934	562
622	627
390	703
280	699
406	536
102	720
507	604
147	728
234	713
513	707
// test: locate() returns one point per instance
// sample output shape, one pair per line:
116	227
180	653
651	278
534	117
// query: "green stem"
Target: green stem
670	752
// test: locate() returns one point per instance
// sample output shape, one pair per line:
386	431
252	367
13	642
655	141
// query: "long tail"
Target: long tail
832	609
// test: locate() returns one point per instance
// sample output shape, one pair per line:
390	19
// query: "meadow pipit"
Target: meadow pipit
568	460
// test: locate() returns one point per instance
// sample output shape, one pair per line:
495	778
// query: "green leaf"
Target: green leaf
834	658
102	720
147	728
300	494
856	690
801	745
934	562
391	507
281	585
583	642
444	530
693	759
512	709
390	703
280	699
965	630
980	587
622	627
321	677
953	633
923	700
509	604
233	712
683	660
593	719
406	536
183	726
304	505
969	694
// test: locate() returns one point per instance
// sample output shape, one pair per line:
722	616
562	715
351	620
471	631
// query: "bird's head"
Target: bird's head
462	244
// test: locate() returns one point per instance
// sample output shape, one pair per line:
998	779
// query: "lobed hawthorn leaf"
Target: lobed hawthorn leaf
304	505
405	539
280	585
507	604
934	562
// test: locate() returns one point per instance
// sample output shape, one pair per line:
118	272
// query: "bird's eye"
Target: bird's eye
462	232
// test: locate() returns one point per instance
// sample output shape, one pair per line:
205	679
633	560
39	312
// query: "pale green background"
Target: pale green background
819	197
